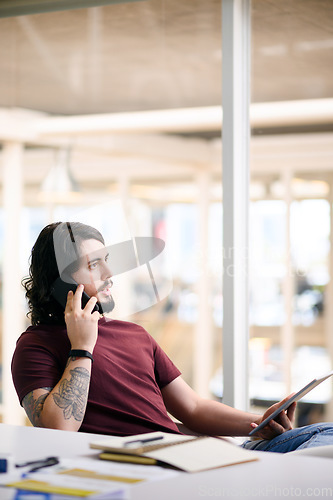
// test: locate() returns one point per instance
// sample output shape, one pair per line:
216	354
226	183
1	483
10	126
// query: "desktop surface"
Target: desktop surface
274	475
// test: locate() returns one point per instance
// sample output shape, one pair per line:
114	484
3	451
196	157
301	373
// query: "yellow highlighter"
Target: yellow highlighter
132	459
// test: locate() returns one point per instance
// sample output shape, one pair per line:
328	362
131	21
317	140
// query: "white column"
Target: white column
328	300
287	330
203	333
236	21
12	294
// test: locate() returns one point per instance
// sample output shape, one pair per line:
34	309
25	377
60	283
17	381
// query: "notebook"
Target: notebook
188	453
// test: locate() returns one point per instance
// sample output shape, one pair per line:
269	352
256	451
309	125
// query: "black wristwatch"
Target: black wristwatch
79	353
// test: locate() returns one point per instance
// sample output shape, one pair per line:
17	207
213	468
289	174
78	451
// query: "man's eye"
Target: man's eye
92	266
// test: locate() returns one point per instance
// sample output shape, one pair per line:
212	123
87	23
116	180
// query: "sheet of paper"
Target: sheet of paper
126	471
202	454
58	484
86	477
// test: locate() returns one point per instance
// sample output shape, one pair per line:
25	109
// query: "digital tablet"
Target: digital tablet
307	388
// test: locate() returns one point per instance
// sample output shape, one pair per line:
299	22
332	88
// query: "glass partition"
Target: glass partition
99	99
290	230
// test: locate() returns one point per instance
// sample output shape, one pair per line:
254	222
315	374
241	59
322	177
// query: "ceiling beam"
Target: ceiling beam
185	120
13	8
182	120
270	155
37	128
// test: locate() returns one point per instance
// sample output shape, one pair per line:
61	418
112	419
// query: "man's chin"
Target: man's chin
106	305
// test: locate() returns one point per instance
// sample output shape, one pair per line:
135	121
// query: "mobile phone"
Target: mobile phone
61	288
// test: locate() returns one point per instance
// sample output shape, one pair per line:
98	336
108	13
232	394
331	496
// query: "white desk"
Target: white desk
273	476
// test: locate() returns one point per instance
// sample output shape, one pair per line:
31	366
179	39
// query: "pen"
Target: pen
143	441
39	464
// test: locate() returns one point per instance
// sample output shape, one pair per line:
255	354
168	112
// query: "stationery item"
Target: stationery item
42	486
187	453
118	457
296	397
3	464
6	462
39	464
85	477
143	441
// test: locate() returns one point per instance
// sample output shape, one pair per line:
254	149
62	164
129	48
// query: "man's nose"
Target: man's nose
106	271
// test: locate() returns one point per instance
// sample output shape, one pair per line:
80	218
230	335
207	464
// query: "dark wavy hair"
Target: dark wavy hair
43	270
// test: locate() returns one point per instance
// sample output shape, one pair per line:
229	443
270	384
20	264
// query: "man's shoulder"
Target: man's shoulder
44	328
40	333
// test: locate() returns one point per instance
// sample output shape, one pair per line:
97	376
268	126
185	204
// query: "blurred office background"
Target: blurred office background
123	102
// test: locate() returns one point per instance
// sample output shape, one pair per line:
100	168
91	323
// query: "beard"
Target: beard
107	304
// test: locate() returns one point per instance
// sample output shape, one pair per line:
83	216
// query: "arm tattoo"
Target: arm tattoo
72	395
72	358
33	407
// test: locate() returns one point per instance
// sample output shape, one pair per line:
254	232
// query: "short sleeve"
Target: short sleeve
34	366
165	370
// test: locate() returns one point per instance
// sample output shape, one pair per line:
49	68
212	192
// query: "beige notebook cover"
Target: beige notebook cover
188	453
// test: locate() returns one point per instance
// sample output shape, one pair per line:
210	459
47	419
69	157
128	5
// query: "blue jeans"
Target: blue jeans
295	439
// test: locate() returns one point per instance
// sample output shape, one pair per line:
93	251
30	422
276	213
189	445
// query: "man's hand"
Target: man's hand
82	324
282	423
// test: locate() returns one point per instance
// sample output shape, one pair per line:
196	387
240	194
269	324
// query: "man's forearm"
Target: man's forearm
66	404
216	419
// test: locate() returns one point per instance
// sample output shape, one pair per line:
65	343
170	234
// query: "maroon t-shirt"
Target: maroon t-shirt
128	373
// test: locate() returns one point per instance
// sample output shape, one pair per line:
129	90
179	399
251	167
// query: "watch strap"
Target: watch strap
80	353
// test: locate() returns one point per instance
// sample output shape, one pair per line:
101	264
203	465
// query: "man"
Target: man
77	370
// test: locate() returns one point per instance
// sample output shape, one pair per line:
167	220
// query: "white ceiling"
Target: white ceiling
160	54
164	54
